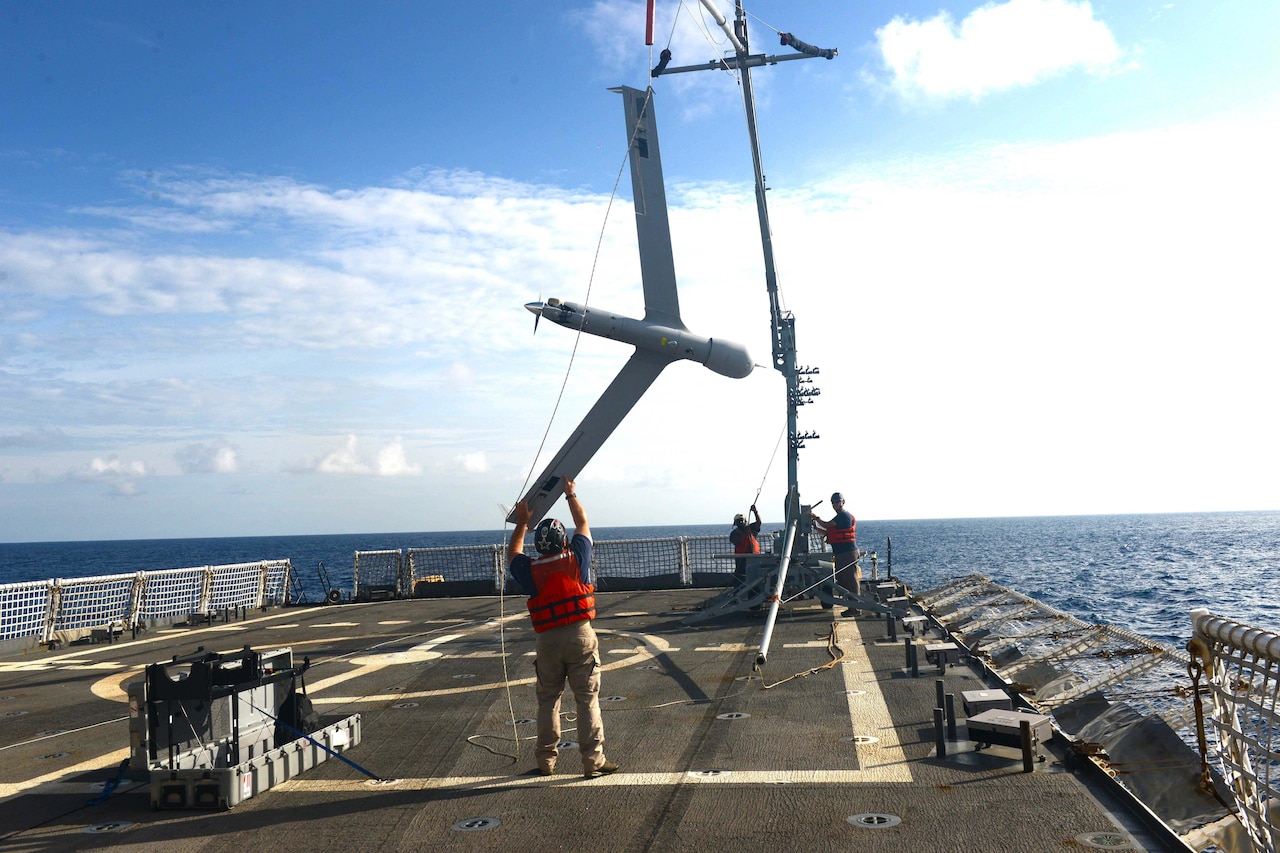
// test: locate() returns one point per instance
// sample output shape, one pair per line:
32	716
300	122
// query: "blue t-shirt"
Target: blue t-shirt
522	565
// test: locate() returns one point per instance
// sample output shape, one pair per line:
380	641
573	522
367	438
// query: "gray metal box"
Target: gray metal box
1003	728
977	701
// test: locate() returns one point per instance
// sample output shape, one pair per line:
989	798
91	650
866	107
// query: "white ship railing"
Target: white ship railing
618	564
1243	669
66	609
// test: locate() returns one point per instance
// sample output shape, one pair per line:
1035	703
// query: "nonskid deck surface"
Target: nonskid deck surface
833	747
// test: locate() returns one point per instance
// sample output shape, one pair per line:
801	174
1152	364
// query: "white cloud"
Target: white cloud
113	466
393	463
475	463
998	46
214	458
344	460
120	474
388	461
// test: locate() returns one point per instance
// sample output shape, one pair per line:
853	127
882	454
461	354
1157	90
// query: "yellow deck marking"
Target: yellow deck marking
109	761
653	645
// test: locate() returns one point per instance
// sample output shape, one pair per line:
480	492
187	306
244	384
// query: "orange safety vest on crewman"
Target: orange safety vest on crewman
562	598
748	544
842	534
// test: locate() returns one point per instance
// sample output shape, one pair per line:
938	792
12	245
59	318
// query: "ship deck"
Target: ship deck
832	746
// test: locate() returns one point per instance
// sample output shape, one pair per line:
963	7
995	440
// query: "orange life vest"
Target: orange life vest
843	534
747	544
562	597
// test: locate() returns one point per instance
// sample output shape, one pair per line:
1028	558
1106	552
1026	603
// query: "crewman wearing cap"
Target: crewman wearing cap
562	603
842	534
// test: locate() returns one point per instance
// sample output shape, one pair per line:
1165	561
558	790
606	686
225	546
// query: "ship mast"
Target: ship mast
767	577
800	387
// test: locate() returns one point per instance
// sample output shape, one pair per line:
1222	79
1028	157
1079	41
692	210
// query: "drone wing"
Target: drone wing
627	387
653	228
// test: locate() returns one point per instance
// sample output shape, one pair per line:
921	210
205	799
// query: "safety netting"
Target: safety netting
24	609
172	592
236	585
1120	699
83	604
462	570
68	609
379	574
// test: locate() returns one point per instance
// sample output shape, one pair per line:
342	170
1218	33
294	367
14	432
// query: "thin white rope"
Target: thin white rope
502	585
772	456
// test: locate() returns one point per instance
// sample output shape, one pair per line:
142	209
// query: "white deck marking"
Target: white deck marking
736	777
883	761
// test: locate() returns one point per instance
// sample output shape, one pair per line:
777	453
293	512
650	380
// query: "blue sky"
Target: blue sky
262	266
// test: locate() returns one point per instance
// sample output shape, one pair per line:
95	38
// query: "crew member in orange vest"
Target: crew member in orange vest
743	538
562	604
842	534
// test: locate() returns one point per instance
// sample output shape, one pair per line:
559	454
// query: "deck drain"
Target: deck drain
98	786
853	692
874	821
709	774
110	826
733	715
747	678
52	755
405	705
13	713
473	824
1105	840
380	782
51	732
613	698
648	666
567	745
465	675
867	739
523	721
777	782
394	688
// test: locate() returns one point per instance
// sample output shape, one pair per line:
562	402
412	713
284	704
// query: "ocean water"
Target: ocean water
1141	572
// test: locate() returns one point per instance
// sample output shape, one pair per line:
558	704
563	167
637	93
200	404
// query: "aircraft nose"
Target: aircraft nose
534	308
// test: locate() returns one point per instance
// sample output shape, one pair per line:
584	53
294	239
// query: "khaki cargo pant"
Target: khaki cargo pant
569	653
848	572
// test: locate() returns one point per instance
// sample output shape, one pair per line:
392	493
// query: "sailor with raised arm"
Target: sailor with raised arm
841	533
562	604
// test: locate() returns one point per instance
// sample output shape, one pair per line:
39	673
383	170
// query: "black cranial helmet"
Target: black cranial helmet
549	537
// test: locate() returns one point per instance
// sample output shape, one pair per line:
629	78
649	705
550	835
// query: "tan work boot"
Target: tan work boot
603	770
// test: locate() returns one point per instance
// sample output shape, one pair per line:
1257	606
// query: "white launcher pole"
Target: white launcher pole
724	25
776	599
